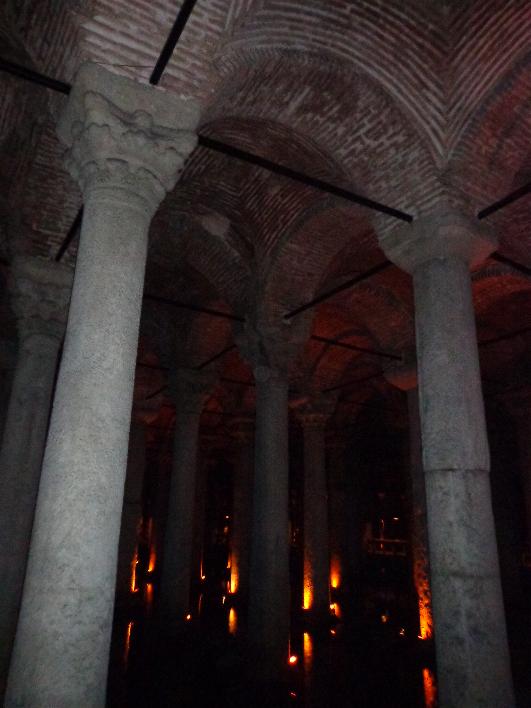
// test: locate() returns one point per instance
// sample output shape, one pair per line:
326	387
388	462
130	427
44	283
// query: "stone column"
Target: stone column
316	567
270	346
519	406
8	357
243	432
190	389
126	144
471	640
131	512
405	378
338	516
40	292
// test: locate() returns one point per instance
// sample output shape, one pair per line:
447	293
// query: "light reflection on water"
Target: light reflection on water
430	688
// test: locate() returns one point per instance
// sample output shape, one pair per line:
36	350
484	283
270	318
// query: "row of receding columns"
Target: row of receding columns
126	145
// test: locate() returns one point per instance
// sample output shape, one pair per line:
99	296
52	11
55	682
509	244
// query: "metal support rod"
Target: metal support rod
503	337
352	382
509	261
34	76
171	42
339	289
354	348
70	236
509	199
215	357
194	308
318	184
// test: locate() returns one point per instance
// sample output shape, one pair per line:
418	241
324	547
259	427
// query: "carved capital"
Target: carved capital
190	389
40	295
271	347
314	414
125	136
441	235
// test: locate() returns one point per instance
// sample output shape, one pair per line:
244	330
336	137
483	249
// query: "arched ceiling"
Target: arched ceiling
408	103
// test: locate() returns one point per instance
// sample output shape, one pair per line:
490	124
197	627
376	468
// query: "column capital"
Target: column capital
40	294
271	346
190	388
125	139
314	414
447	234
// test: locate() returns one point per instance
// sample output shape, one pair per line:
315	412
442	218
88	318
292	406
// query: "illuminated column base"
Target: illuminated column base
472	653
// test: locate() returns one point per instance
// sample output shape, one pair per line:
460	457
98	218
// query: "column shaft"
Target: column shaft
20	467
242	516
338	519
125	146
176	569
418	522
269	592
131	512
472	653
316	592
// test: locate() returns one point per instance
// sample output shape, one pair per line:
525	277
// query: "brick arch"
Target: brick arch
407	71
493	155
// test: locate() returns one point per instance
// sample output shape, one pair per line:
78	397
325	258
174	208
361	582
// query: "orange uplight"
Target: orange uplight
332	631
149	597
307	648
152	559
335	572
128	641
134	563
430	688
384	618
233	621
188	617
293	659
425	620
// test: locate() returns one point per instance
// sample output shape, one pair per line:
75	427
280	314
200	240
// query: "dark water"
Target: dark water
345	664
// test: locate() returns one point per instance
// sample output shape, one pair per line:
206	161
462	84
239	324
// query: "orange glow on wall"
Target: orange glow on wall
152	559
307	649
149	597
335	572
307	592
233	621
293	660
430	688
335	609
134	564
127	646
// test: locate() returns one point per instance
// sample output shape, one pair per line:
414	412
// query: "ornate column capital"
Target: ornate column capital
271	346
447	234
190	389
40	295
314	414
124	138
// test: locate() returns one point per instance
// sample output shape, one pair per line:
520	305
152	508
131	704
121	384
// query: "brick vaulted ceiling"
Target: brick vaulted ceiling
407	102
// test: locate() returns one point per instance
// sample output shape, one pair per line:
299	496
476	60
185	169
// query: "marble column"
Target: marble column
405	378
316	564
270	345
470	634
243	432
131	513
8	357
40	292
338	516
519	406
126	144
269	580
189	389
